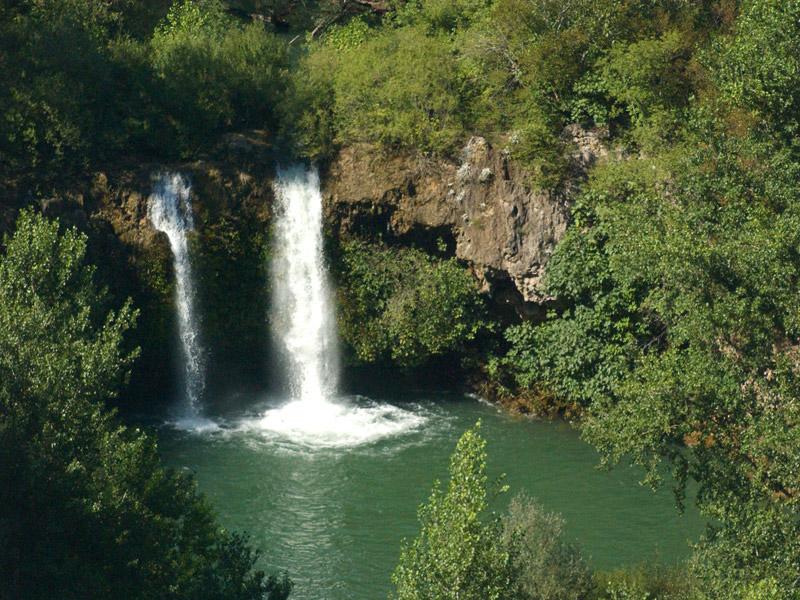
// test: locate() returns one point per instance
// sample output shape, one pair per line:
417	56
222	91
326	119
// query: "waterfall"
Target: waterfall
302	312
303	321
170	211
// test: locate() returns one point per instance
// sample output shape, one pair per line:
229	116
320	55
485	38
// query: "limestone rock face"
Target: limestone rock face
501	227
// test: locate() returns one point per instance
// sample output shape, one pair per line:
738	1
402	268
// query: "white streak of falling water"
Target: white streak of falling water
302	312
170	211
303	319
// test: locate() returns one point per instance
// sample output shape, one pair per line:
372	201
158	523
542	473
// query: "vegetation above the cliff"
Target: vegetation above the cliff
87	83
513	71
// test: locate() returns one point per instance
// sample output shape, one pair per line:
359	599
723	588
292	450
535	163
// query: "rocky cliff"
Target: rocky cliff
482	204
231	200
480	207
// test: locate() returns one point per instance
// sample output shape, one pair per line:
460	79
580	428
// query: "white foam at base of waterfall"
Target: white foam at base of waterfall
336	424
346	422
304	323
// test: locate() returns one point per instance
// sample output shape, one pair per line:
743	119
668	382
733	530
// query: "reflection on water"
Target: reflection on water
333	514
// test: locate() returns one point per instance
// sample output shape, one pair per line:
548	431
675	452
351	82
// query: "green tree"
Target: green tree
400	89
215	74
544	565
87	83
441	15
758	68
678	325
55	71
648	581
456	555
717	396
85	506
647	82
581	352
692	355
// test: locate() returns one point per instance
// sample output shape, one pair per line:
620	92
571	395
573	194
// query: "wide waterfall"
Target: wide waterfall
170	211
302	312
303	321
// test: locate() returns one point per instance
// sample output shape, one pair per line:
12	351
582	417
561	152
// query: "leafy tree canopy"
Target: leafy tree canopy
456	555
86	507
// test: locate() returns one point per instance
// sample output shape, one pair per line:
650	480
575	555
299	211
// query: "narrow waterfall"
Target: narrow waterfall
170	211
303	317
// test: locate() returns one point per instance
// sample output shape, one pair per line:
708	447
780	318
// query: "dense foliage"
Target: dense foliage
456	556
675	332
678	332
516	71
543	564
90	82
401	304
214	74
85	506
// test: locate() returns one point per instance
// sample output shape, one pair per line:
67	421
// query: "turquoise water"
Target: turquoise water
334	515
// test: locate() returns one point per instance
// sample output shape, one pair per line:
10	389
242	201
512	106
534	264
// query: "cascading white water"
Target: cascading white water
303	320
302	312
170	211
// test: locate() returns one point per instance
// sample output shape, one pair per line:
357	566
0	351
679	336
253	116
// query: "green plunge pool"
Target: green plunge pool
332	507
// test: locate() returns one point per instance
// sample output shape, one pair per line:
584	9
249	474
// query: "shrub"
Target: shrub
442	15
544	565
215	73
56	74
583	351
758	68
402	305
399	88
647	582
80	89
